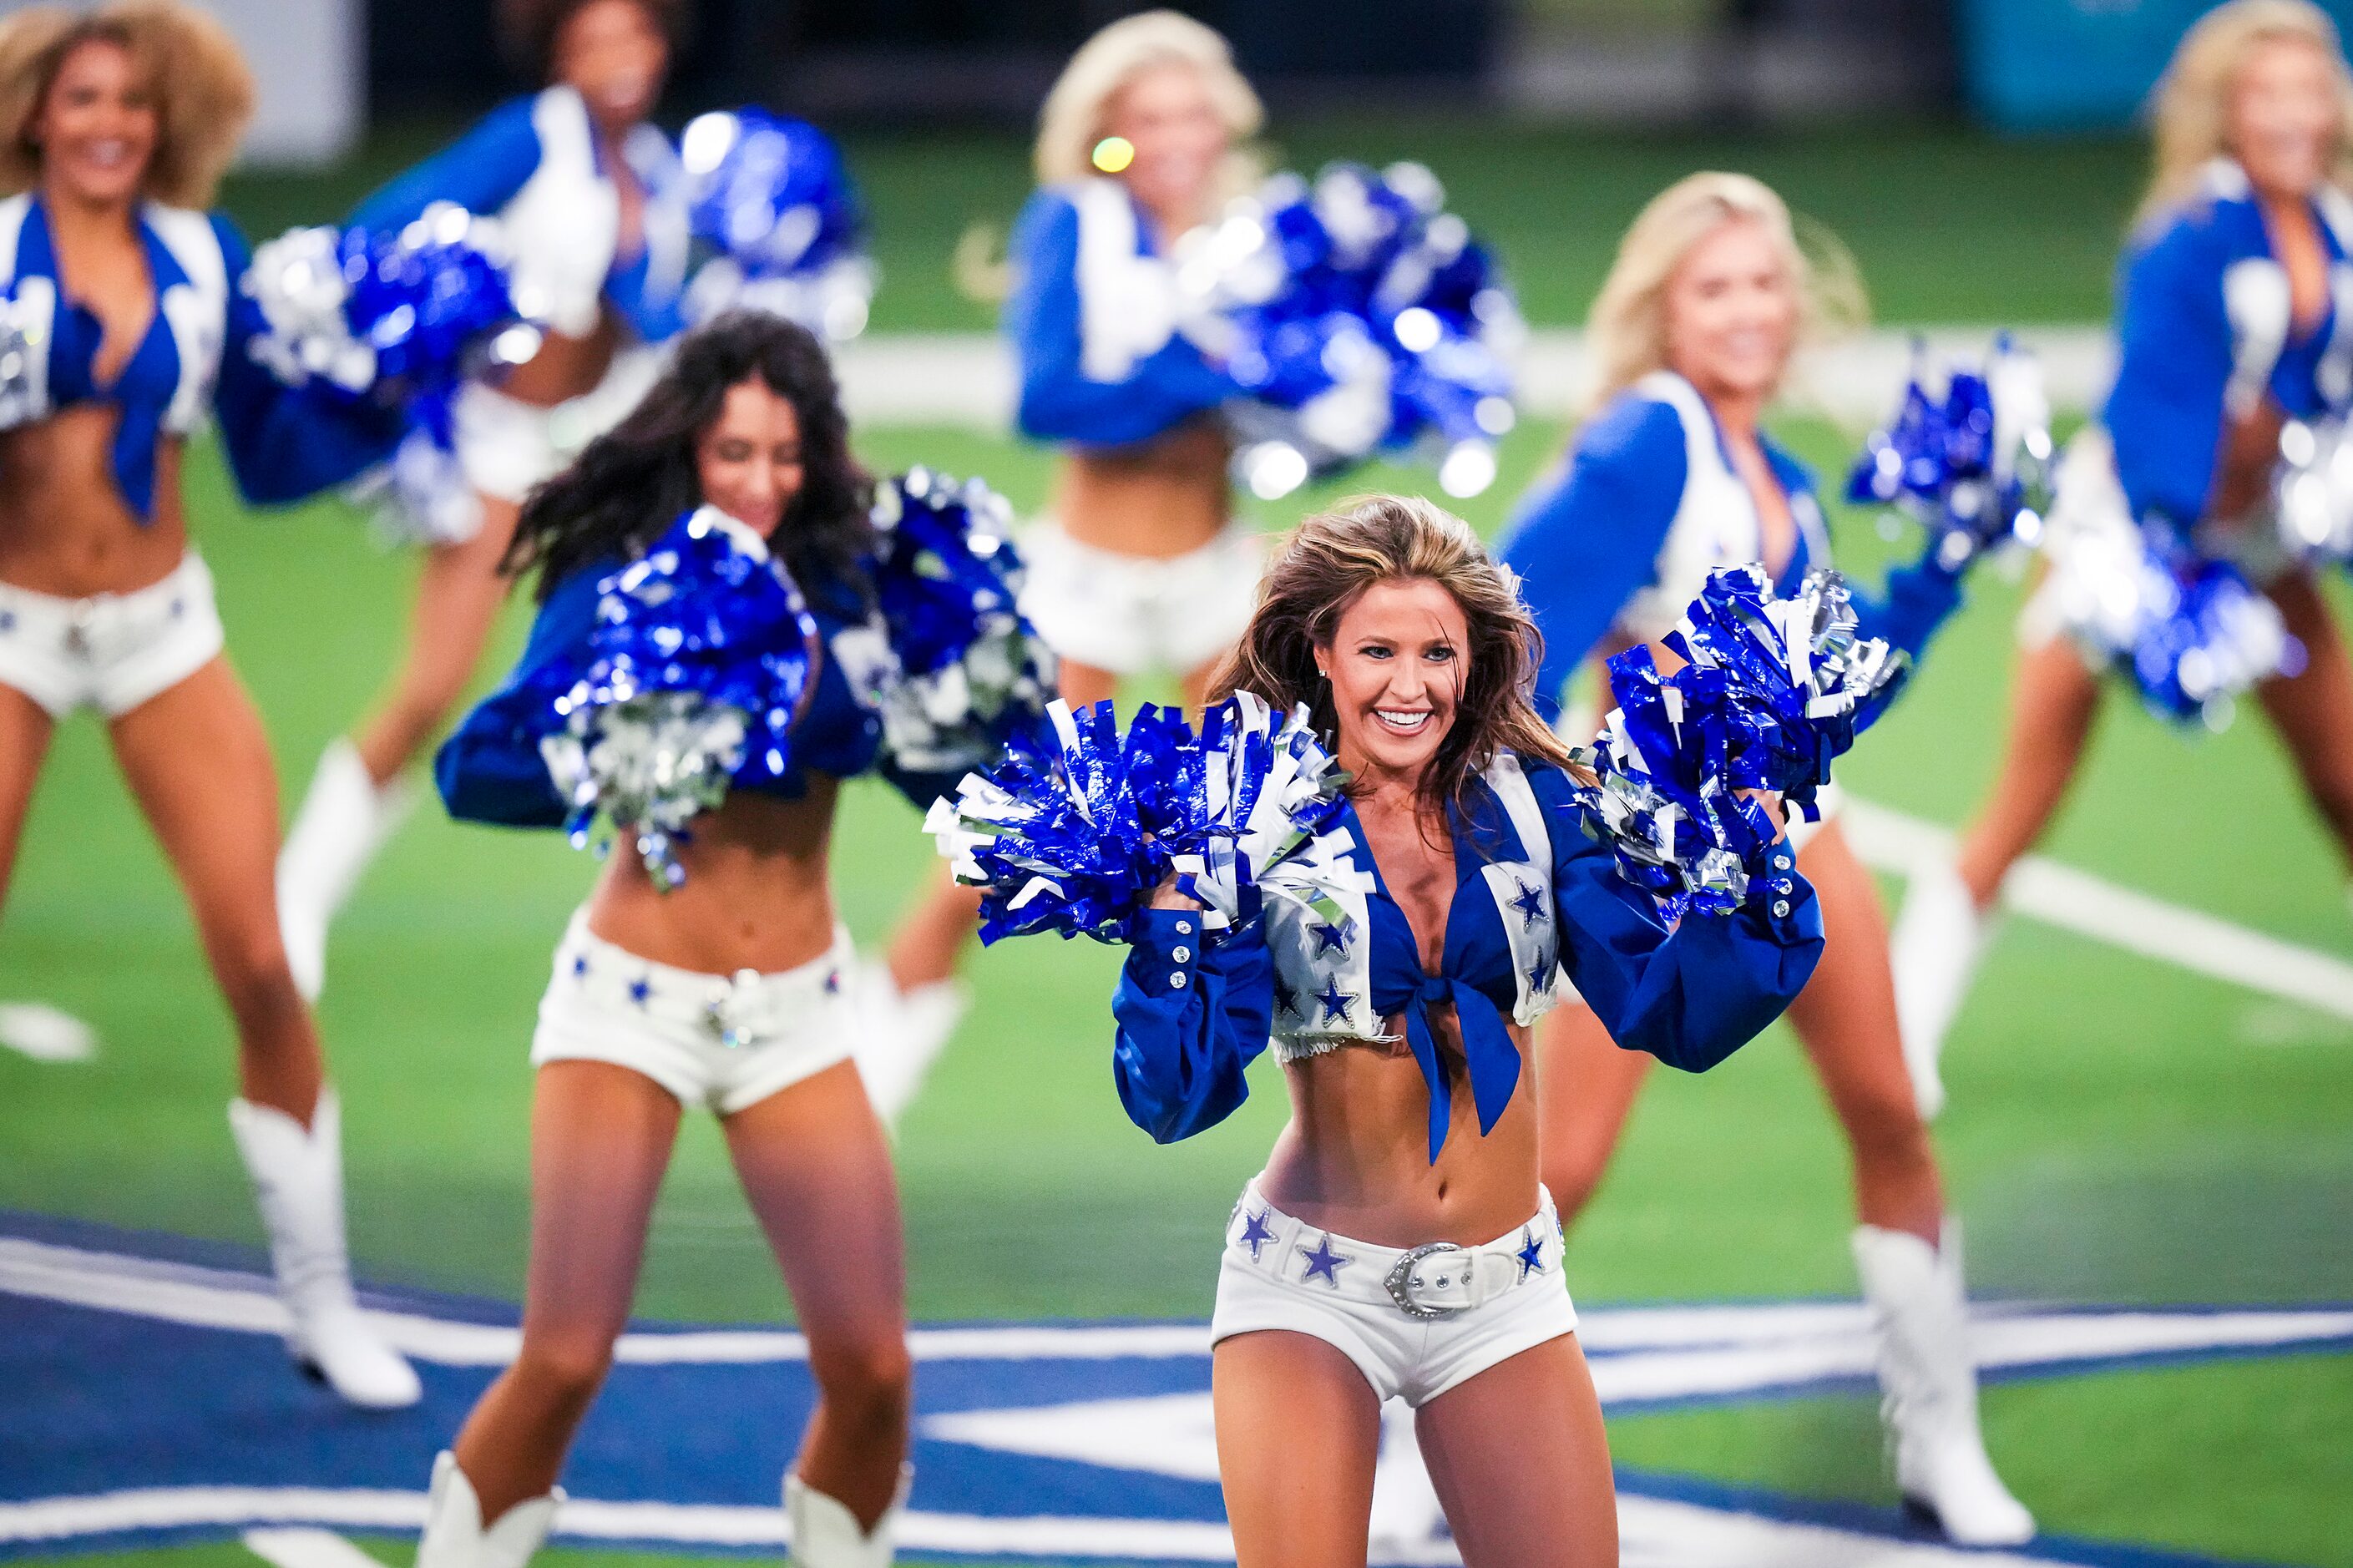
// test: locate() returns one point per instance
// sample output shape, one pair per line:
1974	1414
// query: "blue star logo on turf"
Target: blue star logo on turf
1330	938
1256	1234
1530	902
1531	1256
1321	1259
639	990
1335	1000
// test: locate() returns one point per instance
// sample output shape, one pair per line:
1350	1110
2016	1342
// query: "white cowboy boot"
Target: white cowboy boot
1928	1383
903	1034
298	1180
826	1535
1939	936
454	1536
344	820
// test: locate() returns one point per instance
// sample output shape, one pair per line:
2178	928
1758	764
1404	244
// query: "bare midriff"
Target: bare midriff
566	368
1163	499
65	528
1355	1159
756	894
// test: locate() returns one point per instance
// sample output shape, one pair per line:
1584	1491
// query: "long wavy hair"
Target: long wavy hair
192	67
2192	101
636	480
1329	561
529	30
1627	331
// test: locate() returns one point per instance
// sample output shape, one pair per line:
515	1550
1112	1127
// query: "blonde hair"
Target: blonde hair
1627	332
199	80
1326	566
2193	99
1071	120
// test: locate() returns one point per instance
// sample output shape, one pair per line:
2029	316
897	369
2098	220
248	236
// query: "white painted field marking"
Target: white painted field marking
305	1546
968	379
2044	889
44	1033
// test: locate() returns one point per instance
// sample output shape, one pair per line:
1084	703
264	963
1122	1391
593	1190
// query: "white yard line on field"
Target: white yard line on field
969	378
301	1546
2076	901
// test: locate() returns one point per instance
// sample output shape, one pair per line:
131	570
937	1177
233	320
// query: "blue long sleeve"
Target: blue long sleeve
2164	413
482	172
1190	1021
1058	402
1690	995
1588	539
490	769
285	444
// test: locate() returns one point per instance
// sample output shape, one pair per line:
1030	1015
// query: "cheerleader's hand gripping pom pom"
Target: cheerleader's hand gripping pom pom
772	201
1971	465
966	672
1353	313
689	685
395	321
1075	830
1772	690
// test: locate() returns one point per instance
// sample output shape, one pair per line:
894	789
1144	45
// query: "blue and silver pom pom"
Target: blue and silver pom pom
1078	826
2312	491
18	347
695	677
397	320
2191	634
968	672
1972	466
771	199
1355	314
1773	689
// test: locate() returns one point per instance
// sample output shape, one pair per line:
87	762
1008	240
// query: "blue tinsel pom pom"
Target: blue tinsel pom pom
1772	690
771	197
1973	467
1074	829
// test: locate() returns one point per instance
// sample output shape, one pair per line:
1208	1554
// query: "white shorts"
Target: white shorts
714	1040
111	651
1132	614
509	449
1506	1297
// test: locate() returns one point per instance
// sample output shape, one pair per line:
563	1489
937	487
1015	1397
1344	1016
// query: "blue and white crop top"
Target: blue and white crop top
1334	957
534	165
1624	533
491	770
195	357
2205	329
1092	317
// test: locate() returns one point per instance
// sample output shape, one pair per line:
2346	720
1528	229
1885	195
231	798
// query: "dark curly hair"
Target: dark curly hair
636	480
528	29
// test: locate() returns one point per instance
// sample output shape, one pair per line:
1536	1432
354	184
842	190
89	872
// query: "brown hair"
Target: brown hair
528	29
202	90
1327	565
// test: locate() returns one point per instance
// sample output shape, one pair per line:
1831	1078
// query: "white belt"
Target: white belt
737	1010
1436	1279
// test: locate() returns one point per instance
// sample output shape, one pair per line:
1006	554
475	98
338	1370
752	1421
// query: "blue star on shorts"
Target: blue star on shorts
1256	1233
1325	1261
1531	1257
639	990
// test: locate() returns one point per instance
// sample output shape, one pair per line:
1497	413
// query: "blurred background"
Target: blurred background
2150	1132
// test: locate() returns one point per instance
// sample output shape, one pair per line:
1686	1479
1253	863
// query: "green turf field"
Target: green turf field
2121	1131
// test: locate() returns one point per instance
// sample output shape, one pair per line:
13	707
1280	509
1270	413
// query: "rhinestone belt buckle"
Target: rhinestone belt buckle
723	1019
1408	1274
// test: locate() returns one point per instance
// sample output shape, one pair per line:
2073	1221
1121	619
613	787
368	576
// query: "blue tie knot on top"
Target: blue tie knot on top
690	684
1353	313
1773	689
1078	826
396	320
1972	466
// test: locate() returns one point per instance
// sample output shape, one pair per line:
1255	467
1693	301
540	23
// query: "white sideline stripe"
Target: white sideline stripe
304	1546
2075	900
1658	1532
968	379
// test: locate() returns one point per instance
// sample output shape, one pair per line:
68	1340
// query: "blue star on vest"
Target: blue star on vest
1531	1257
1286	1000
1530	902
1325	1261
1256	1234
1330	938
1540	971
639	990
1335	1000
